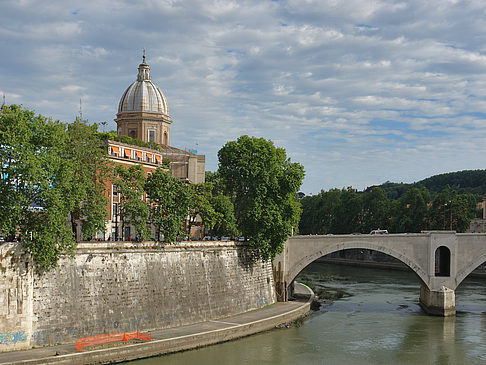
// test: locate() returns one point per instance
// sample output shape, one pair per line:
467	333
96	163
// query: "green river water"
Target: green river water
376	321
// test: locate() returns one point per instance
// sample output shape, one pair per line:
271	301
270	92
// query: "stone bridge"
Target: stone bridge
440	259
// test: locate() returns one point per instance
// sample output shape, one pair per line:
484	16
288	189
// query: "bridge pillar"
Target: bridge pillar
440	302
280	283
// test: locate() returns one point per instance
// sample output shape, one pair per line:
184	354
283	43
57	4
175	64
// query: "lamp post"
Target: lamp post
451	217
115	206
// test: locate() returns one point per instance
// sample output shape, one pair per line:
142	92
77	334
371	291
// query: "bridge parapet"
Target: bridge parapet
440	259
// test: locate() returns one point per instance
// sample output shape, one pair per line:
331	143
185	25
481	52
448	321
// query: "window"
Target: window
114	213
151	135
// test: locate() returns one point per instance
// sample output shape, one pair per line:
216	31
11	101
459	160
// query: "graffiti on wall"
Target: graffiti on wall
12	337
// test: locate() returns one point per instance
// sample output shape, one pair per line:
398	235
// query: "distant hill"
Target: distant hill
466	181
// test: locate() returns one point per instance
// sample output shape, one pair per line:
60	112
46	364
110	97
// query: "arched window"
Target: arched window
166	138
151	135
442	261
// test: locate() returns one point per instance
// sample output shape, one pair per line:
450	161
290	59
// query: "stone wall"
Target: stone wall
16	282
116	287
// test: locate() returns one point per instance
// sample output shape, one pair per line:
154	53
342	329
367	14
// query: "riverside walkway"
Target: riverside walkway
173	339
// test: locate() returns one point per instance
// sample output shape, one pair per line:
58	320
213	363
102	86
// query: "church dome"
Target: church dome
143	95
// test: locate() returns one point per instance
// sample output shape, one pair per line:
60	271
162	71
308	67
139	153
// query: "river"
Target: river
376	321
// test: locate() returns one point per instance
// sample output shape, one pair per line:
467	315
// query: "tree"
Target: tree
201	205
169	201
412	211
346	212
451	211
463	210
92	169
216	182
375	210
330	202
310	220
133	209
262	184
225	222
37	181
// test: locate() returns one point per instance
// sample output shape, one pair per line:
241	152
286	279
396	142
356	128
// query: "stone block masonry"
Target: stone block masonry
116	287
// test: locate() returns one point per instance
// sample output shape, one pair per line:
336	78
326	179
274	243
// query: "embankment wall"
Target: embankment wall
116	287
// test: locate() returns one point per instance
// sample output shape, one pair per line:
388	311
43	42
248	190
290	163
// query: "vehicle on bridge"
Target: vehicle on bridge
379	231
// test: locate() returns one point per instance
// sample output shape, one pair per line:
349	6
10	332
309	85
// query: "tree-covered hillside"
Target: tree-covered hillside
463	182
466	181
441	202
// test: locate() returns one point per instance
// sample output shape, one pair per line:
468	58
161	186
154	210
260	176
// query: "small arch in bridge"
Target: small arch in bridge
442	261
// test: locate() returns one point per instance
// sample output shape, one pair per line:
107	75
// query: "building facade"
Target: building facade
143	114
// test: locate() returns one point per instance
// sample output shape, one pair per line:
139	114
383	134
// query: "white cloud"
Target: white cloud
72	88
345	87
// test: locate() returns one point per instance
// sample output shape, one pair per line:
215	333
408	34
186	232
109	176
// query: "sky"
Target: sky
358	92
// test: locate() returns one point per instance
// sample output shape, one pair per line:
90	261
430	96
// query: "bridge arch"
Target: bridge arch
354	244
441	260
461	275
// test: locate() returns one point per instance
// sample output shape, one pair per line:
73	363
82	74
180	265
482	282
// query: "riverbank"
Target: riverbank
113	287
174	339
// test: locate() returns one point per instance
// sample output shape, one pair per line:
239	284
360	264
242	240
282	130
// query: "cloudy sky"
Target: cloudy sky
359	92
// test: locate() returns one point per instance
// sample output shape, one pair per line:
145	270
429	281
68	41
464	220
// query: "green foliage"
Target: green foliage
411	211
128	140
375	210
345	211
225	222
392	190
262	183
463	208
216	182
37	182
92	170
463	182
169	198
451	211
132	207
201	205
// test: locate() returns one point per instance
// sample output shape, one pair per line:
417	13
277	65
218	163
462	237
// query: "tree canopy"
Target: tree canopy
169	199
262	183
36	183
348	211
462	182
130	182
91	172
51	172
